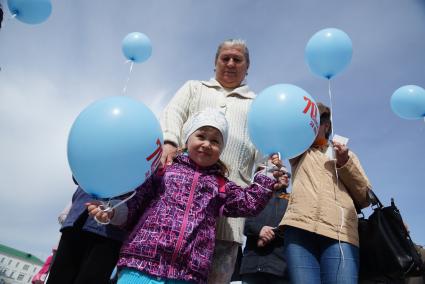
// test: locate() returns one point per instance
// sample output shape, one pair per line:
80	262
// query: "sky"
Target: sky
51	71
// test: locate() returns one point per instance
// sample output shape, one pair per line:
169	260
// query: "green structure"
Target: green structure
17	266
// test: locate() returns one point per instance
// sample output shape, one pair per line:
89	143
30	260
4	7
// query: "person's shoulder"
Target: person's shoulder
211	83
192	85
79	192
193	81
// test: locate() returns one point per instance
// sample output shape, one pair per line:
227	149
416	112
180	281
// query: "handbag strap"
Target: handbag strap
373	199
374	202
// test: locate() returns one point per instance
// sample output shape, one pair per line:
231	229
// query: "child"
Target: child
173	216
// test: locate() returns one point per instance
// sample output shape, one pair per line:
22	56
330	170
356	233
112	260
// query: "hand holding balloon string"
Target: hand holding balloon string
100	211
273	168
103	211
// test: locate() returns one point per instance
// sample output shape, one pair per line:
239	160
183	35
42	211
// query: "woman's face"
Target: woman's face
205	145
231	66
323	129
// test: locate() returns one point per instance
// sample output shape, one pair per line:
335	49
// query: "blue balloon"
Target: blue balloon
283	118
328	52
137	47
409	102
113	146
30	11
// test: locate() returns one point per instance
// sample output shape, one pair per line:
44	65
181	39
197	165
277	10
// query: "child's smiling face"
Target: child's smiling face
205	145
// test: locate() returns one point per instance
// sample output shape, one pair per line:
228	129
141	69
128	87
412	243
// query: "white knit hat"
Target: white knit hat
207	117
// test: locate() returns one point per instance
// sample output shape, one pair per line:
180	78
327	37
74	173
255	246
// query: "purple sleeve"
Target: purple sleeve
248	201
144	195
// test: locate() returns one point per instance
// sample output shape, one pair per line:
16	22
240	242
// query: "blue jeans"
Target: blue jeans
260	278
312	258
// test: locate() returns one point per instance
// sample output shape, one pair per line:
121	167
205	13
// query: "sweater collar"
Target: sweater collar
243	90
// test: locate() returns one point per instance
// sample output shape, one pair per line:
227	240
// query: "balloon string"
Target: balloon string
124	90
331	103
106	207
332	126
336	174
124	200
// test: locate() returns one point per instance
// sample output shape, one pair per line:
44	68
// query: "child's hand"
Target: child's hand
270	166
280	173
95	210
275	159
281	182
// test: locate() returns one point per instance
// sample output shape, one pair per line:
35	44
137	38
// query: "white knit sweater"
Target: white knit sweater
239	154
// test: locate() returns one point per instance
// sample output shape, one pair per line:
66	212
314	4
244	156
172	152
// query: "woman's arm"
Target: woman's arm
355	180
252	227
176	113
172	119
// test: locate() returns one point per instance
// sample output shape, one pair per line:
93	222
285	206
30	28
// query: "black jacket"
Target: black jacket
268	259
78	218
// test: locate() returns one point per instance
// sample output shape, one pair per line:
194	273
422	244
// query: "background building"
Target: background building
17	267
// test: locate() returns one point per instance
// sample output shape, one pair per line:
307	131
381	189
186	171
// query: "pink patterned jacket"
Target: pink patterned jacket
173	219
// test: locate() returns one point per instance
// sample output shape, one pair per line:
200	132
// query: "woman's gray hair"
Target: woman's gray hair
233	42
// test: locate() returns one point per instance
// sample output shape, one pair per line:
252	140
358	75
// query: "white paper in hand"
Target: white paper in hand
339	139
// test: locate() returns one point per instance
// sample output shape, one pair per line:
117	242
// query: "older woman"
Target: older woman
229	93
320	223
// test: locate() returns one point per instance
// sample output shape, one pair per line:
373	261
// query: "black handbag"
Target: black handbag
386	249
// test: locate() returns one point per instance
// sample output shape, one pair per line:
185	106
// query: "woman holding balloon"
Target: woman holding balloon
320	224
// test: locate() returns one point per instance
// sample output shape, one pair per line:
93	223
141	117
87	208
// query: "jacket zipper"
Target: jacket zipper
184	224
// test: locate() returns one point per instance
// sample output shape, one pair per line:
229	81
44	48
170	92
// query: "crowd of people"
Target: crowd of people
186	222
